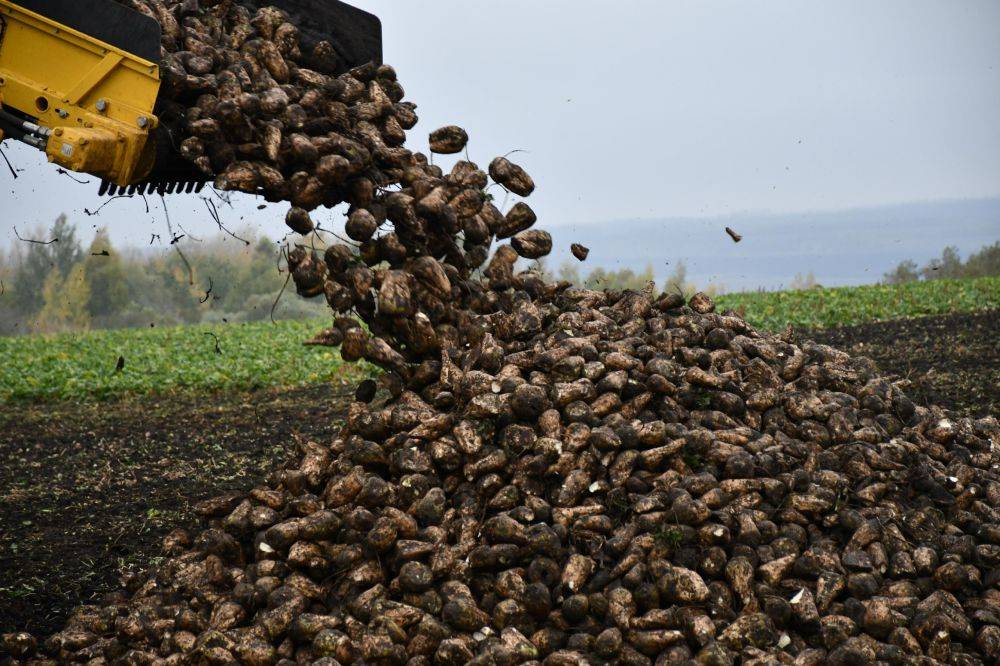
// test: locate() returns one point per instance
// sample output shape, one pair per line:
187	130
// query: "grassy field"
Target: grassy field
162	360
844	306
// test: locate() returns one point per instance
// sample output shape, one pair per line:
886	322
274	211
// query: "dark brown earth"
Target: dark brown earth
952	360
87	491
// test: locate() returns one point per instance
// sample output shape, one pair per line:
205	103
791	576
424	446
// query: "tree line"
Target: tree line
984	263
626	278
50	286
53	283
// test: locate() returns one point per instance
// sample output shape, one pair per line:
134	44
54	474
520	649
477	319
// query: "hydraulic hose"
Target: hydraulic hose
24	130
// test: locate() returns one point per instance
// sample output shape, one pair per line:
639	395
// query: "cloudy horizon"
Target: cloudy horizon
659	110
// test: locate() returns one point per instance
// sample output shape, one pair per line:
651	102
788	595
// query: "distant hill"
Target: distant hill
845	247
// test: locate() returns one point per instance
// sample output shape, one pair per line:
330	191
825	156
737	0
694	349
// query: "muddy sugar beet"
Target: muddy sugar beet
592	477
550	475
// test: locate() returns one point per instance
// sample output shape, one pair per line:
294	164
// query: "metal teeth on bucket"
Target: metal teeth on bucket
151	187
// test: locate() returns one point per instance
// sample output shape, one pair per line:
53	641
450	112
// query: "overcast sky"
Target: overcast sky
639	109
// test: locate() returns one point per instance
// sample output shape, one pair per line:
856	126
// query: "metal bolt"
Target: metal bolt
143	122
102	105
62	113
59	131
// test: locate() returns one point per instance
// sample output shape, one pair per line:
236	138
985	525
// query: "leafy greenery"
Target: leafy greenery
626	278
60	287
693	460
161	360
262	354
59	252
950	266
842	306
668	537
599	278
106	277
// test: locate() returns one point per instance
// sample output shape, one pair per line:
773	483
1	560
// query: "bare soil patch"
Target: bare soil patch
952	360
87	491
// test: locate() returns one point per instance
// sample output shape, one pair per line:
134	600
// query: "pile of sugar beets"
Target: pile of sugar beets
542	474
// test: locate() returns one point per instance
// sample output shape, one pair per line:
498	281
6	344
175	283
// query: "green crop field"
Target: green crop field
844	306
162	360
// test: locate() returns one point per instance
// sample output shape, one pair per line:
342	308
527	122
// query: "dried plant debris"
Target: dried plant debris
208	292
552	475
33	240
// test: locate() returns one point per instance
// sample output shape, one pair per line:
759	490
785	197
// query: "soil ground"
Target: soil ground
87	491
952	360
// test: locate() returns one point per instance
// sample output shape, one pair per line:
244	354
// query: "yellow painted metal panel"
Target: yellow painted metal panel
93	78
67	79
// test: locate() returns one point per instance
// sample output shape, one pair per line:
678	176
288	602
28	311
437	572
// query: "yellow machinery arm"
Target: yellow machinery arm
86	103
79	80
